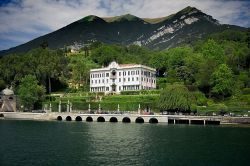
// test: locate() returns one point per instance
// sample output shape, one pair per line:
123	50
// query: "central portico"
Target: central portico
122	77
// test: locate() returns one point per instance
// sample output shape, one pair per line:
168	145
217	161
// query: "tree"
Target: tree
222	81
29	91
80	68
175	98
177	56
204	74
159	61
105	54
212	50
184	73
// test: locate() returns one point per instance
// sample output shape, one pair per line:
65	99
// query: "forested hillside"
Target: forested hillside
184	27
216	69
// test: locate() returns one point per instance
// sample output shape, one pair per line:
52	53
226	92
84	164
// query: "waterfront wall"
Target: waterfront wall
137	118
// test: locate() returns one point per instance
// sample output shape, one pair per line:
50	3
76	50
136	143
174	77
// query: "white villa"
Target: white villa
122	77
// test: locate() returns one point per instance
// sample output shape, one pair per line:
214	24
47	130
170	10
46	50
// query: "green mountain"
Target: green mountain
186	26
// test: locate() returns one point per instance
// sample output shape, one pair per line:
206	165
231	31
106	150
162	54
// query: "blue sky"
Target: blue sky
24	20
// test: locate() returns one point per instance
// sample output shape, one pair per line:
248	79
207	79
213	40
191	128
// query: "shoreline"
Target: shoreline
161	118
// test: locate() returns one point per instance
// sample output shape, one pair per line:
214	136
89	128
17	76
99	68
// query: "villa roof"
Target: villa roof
127	65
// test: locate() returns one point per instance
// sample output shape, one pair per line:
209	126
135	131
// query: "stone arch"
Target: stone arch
139	120
89	119
59	118
68	118
100	119
78	118
126	120
1	115
113	119
153	120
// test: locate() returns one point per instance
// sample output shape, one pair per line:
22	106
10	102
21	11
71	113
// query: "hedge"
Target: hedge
106	106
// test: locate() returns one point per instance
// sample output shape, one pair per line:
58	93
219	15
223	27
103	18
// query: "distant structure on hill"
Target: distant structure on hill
122	77
8	101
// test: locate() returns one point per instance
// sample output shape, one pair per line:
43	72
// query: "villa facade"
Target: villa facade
122	77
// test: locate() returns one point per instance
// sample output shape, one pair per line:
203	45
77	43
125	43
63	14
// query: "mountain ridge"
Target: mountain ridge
183	27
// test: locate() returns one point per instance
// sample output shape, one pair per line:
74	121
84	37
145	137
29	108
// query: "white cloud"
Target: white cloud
43	16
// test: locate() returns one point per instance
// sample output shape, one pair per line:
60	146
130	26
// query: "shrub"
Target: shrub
246	91
130	92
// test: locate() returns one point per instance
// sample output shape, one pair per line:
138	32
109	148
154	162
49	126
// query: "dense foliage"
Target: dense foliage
175	98
217	69
30	92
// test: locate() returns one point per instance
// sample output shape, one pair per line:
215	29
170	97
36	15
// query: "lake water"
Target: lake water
38	143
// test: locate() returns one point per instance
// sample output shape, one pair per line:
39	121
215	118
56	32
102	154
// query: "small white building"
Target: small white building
122	77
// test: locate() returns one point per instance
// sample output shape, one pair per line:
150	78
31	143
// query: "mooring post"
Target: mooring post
118	107
204	122
174	121
139	109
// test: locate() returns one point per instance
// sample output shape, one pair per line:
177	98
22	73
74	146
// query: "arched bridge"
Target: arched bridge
136	118
125	118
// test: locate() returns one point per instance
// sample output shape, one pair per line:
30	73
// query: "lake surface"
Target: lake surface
40	143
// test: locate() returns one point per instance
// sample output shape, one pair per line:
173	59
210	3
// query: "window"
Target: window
119	79
124	79
107	80
99	81
128	72
107	74
119	87
128	79
102	80
107	88
92	81
119	73
137	78
132	78
96	81
113	72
